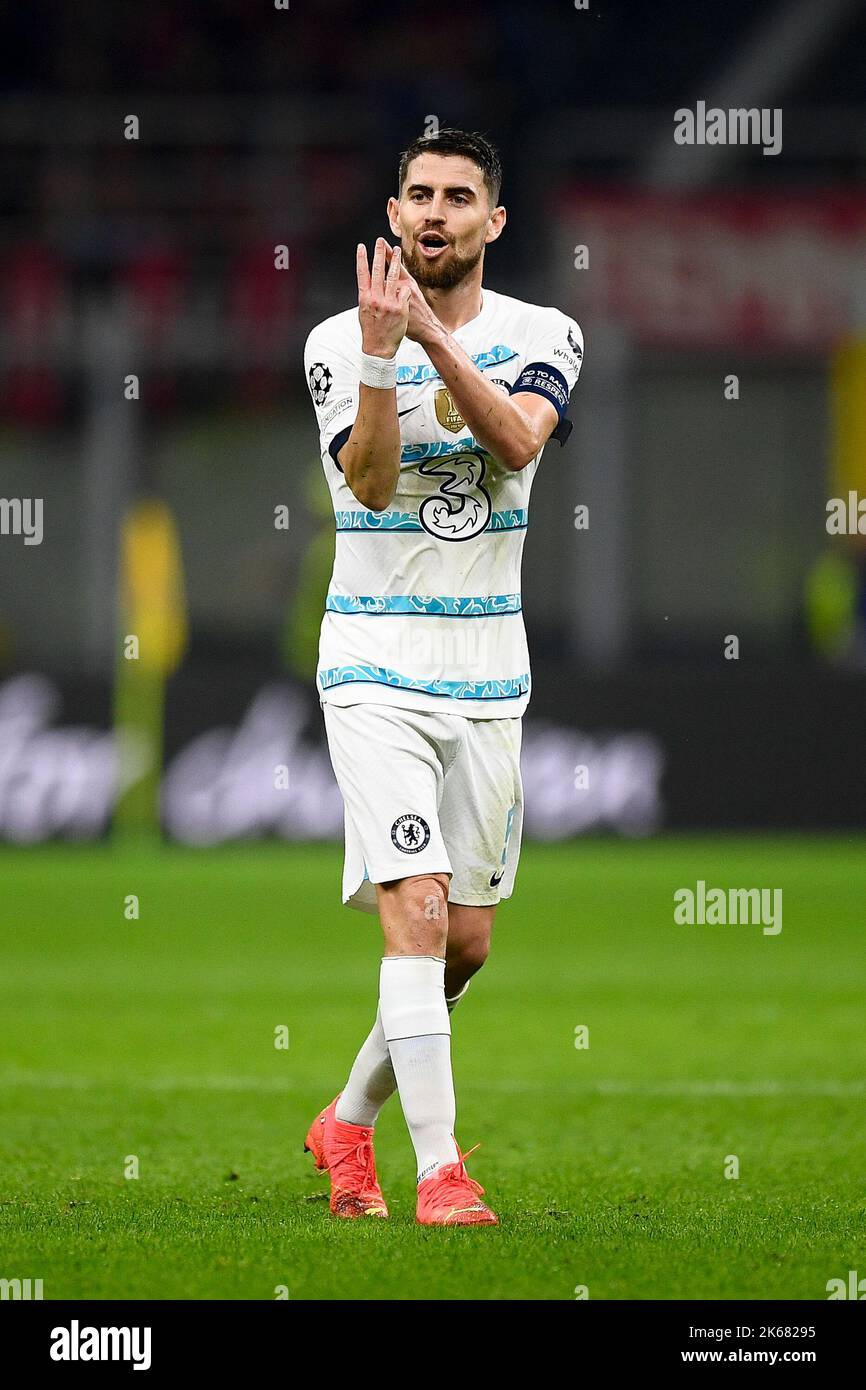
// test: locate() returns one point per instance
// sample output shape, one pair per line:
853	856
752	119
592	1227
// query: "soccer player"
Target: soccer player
435	398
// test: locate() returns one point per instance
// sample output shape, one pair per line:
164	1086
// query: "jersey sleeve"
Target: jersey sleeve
333	375
554	357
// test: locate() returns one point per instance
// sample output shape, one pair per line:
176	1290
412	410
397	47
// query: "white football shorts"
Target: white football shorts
427	793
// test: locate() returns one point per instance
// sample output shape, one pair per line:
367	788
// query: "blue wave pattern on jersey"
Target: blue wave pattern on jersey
437	605
514	519
507	688
423	372
435	449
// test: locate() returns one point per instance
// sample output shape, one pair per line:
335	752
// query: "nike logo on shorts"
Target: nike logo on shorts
495	879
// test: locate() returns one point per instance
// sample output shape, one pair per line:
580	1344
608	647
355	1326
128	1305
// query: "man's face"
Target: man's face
443	219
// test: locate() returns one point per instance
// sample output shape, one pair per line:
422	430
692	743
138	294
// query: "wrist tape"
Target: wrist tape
380	372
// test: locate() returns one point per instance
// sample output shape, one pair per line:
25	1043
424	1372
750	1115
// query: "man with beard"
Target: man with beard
434	399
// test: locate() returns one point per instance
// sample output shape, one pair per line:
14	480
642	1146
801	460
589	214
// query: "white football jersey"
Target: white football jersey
423	608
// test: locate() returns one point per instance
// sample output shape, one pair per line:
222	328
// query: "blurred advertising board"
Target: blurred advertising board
762	269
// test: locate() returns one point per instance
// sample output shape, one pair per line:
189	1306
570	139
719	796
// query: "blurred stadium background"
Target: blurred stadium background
153	258
707	515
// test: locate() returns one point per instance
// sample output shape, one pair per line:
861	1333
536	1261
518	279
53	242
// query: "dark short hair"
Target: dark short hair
469	144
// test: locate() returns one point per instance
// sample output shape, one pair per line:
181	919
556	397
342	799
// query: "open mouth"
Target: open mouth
432	244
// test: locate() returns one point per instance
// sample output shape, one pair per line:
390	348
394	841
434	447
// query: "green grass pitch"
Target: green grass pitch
155	1038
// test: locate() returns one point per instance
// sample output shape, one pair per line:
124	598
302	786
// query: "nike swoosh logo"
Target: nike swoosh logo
411	408
496	878
458	1211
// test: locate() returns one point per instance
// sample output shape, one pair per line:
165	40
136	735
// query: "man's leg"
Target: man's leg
414	916
469	932
372	1078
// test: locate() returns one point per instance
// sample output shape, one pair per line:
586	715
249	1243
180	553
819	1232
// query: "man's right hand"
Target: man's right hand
383	301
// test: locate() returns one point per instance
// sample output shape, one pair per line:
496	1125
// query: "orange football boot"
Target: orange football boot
449	1197
345	1152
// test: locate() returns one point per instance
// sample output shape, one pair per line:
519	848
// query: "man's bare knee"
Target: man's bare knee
425	896
466	960
432	886
414	913
414	884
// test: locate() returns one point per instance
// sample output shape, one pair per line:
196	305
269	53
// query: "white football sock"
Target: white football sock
372	1080
417	1029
